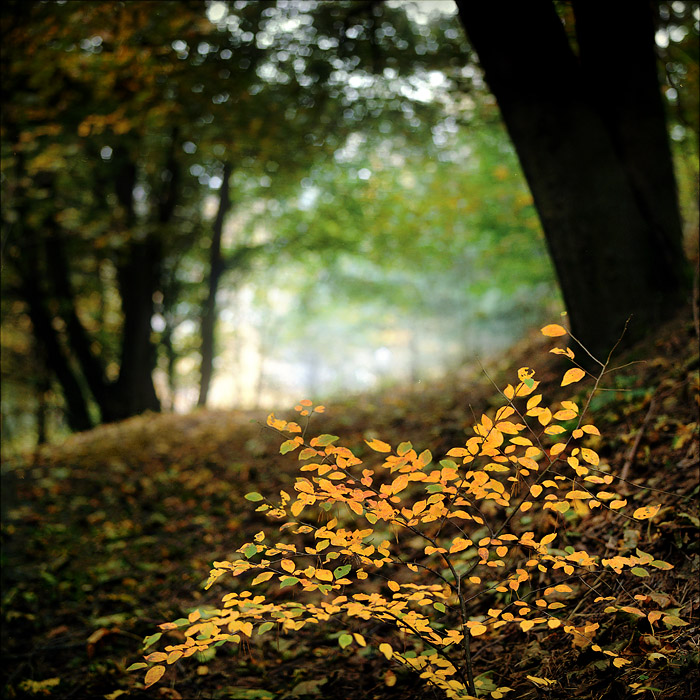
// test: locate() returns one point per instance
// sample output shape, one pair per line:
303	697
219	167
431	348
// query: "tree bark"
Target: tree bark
138	277
138	280
77	413
78	338
594	151
209	311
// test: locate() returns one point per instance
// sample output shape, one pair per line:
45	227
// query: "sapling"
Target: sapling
439	553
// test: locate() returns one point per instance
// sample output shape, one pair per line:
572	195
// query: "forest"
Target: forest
350	349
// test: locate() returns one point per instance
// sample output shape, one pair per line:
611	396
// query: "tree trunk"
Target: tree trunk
209	312
138	277
78	338
77	414
594	151
138	280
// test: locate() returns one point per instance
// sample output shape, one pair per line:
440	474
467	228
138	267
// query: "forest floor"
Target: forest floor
113	532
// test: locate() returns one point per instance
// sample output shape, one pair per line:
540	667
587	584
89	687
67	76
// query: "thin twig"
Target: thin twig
637	440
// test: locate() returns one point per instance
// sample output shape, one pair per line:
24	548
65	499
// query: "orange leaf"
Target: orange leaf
646	513
553	330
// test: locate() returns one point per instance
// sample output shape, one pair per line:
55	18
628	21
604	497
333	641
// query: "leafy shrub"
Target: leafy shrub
438	552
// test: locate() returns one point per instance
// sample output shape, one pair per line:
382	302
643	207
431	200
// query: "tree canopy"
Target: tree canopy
164	161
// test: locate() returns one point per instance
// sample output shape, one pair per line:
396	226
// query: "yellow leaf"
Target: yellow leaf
288	565
261	578
355	507
378	445
646	513
590	456
477	629
545	416
297	507
324	575
557	449
578	494
154	675
386	650
542	682
553	330
573	375
525	373
359	639
393	586
399	484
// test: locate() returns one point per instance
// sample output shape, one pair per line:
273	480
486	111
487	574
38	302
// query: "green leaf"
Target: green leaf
288	446
151	639
288	581
265	627
324	440
638	571
448	463
253	496
345	640
674	621
439	607
341	571
403	448
250	551
434	488
136	666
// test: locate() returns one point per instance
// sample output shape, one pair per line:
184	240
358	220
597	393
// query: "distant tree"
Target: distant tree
582	104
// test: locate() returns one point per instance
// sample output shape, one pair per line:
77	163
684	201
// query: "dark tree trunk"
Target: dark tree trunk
77	414
78	338
31	264
134	392
595	154
216	268
138	277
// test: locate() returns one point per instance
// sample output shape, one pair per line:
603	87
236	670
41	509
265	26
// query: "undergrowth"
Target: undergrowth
424	561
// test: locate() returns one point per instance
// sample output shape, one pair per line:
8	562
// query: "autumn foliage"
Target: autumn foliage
436	556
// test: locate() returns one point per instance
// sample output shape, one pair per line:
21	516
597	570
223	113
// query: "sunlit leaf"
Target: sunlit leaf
553	330
261	578
378	445
646	512
573	375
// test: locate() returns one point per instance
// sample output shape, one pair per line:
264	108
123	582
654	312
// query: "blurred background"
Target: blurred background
241	204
